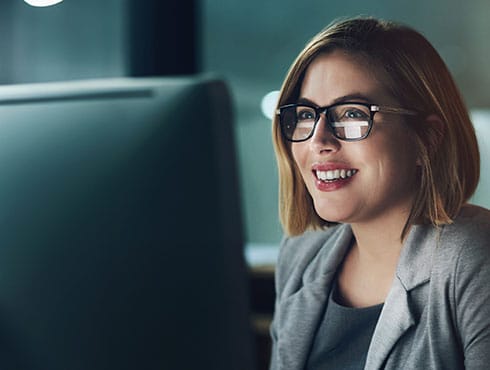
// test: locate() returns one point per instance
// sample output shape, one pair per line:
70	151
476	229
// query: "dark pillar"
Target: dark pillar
163	37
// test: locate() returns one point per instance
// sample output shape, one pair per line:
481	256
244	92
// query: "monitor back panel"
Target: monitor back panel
120	230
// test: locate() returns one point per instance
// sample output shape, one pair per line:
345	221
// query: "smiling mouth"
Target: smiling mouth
334	175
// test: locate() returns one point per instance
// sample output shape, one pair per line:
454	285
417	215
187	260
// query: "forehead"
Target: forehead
333	76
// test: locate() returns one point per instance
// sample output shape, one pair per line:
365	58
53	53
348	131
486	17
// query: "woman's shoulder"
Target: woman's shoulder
473	213
470	227
310	250
465	243
463	268
307	245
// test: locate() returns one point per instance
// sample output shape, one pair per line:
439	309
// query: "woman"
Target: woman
384	265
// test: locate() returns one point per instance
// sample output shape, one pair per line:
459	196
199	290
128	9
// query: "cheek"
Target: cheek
399	163
392	145
299	154
404	150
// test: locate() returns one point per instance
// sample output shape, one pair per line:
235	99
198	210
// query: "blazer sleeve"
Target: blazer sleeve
472	298
294	255
282	263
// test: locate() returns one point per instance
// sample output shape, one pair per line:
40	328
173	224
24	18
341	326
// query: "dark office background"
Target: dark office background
250	43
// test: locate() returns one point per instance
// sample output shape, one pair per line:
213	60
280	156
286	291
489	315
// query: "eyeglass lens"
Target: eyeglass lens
347	121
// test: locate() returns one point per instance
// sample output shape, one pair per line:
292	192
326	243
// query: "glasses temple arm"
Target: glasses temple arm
381	108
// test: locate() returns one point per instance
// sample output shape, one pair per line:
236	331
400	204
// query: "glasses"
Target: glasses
347	121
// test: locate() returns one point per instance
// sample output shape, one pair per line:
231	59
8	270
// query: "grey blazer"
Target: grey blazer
436	315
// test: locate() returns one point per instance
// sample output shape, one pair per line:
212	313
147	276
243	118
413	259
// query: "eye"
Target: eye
305	114
349	112
354	113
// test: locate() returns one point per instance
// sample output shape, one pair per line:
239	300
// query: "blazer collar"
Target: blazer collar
415	264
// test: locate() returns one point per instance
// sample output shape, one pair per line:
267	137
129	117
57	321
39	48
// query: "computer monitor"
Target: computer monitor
120	229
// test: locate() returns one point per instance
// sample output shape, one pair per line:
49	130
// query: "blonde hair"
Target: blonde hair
418	79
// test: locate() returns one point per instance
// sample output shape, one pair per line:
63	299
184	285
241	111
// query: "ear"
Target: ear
434	133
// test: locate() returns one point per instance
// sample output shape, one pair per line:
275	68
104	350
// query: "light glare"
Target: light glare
42	3
269	103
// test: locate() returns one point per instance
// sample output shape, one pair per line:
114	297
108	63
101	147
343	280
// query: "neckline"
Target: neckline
334	300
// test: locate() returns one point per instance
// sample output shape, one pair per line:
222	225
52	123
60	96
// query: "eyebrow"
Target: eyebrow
345	98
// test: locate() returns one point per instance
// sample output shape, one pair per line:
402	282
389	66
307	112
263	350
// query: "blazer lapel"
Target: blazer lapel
413	270
300	313
395	319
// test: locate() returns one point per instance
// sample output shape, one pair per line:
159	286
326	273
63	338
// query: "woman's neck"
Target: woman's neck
382	236
369	267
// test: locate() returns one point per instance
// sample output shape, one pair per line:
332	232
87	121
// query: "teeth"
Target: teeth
332	175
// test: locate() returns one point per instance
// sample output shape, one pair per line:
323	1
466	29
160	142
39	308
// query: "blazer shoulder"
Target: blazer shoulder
470	229
465	267
297	253
474	214
466	242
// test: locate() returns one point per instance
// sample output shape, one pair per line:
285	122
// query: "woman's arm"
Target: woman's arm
472	300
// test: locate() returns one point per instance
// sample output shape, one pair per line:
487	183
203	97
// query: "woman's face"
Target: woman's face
382	166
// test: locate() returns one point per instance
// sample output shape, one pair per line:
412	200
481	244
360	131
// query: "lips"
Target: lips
332	176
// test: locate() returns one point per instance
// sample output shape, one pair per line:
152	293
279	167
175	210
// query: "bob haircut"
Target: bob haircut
417	78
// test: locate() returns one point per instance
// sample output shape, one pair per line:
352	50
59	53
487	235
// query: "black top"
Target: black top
343	337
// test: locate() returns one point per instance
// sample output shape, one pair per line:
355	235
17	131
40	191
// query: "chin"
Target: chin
333	217
332	213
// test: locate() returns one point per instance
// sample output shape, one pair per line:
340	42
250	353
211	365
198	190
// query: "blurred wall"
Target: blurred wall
254	42
79	39
251	43
72	40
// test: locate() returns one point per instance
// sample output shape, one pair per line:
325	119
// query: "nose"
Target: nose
323	139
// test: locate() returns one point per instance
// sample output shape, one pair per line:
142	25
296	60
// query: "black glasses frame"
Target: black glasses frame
373	109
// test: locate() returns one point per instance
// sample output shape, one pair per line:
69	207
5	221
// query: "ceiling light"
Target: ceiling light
41	3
